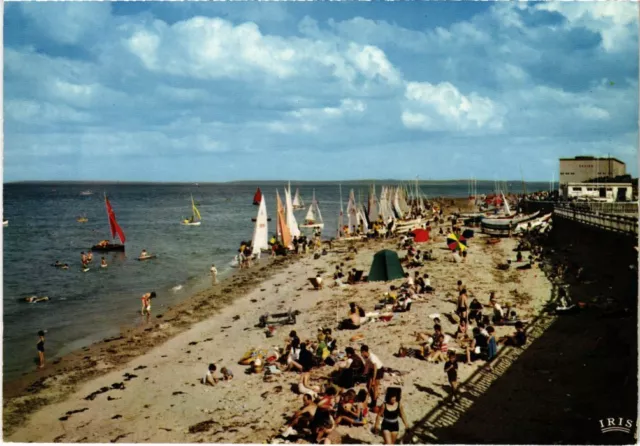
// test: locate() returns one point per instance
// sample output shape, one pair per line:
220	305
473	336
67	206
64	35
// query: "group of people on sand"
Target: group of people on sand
345	397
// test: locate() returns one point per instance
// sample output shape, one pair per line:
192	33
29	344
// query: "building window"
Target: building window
576	189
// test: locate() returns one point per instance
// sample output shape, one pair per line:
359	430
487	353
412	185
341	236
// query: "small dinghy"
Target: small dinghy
114	227
195	218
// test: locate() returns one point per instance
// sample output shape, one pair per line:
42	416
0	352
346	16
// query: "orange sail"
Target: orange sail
281	225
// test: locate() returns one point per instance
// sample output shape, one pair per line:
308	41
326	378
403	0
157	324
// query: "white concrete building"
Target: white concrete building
608	192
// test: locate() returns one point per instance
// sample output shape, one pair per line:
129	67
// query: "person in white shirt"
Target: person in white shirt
214	274
210	378
373	369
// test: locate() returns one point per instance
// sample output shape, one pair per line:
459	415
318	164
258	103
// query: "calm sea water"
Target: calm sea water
86	307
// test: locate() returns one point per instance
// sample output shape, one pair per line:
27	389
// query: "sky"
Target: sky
224	91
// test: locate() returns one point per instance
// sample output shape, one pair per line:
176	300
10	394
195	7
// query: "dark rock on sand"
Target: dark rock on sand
203	426
140	367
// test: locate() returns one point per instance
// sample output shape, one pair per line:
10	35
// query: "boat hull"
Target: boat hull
316	225
196	223
108	248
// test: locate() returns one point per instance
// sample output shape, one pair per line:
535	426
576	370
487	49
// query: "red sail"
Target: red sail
257	198
113	223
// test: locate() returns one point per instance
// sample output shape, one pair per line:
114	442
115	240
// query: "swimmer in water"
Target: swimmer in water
34	299
65	266
144	254
103	262
89	256
58	264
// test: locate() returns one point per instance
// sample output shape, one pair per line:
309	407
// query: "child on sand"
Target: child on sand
227	374
210	378
451	368
40	347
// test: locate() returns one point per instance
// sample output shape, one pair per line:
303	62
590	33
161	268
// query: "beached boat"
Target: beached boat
540	221
195	219
257	197
260	240
313	219
115	229
297	203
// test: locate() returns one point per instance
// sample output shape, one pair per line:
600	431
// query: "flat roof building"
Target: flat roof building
585	168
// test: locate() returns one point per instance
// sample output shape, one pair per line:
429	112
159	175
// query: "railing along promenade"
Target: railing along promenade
625	224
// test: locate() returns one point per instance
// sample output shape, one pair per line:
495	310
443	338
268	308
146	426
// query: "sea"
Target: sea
85	307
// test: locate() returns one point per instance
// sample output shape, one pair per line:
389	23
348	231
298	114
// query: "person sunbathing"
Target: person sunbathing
518	339
294	356
349	412
475	310
353	321
305	386
301	418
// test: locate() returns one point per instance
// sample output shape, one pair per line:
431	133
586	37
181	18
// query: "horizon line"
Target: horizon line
366	180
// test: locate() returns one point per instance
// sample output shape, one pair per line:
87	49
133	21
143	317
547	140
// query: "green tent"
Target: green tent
386	266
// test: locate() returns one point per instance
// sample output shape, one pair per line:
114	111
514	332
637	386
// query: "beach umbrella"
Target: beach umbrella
467	233
456	244
420	235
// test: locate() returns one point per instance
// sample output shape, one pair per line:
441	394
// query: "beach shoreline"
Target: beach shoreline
63	376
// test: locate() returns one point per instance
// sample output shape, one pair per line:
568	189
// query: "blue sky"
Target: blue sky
222	91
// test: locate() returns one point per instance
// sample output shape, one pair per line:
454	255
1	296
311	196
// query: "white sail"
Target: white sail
311	214
506	204
373	205
363	219
396	203
297	200
352	213
261	231
291	219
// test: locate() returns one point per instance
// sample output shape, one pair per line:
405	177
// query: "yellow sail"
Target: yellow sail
196	213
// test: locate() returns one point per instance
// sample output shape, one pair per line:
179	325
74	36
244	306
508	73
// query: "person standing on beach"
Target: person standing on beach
40	347
214	273
146	303
374	371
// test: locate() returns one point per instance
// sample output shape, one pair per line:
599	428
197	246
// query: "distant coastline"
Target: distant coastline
268	182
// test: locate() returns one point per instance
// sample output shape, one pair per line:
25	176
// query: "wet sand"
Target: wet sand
145	385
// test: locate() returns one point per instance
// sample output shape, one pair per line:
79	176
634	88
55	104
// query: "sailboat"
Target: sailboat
195	219
260	241
5	222
257	197
297	203
114	227
313	219
291	219
282	230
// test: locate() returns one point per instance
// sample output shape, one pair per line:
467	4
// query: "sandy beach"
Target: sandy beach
163	400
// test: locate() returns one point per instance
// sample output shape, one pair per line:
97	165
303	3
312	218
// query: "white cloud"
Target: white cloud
212	48
442	106
593	113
